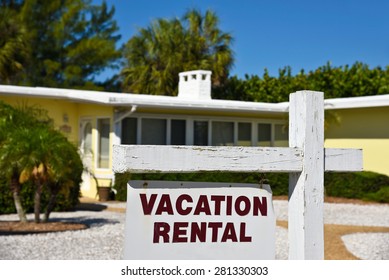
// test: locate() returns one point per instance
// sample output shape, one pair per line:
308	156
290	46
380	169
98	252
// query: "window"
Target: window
281	137
200	135
86	145
103	130
264	134
222	133
153	132
129	130
150	129
244	134
178	132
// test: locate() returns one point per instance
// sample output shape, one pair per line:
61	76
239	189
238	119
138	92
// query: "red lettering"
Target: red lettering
217	199
165	205
161	230
229	205
179	229
215	229
179	201
198	231
261	206
147	206
242	234
202	206
246	208
229	233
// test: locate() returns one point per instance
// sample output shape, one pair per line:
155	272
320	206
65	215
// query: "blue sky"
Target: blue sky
272	34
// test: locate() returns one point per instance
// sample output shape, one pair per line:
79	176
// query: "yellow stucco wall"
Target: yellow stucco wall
366	128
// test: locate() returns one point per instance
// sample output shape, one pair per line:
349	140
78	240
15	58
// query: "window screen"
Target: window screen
153	132
264	134
222	133
129	130
244	134
178	132
200	135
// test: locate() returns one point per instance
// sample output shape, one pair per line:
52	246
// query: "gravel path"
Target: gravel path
93	244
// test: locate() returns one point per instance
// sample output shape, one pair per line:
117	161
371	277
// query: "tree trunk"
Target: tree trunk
37	203
50	206
15	188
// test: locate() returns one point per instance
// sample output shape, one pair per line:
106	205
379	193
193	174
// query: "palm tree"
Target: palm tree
207	46
48	160
159	52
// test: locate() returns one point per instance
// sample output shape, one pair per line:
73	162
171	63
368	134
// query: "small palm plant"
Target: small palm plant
48	159
31	149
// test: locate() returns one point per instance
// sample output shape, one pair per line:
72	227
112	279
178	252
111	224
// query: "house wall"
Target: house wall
366	128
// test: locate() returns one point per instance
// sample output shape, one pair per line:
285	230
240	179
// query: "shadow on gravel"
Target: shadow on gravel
84	206
54	225
88	221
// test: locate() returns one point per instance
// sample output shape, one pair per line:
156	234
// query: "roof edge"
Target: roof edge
129	99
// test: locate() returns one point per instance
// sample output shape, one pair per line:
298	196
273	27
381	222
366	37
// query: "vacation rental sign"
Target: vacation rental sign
188	220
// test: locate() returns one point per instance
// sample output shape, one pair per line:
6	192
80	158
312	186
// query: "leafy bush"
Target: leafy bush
368	186
359	185
382	195
67	198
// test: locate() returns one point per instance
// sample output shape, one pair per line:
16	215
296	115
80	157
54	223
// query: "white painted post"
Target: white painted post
306	188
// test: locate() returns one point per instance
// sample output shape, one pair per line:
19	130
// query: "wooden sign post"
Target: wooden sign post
305	160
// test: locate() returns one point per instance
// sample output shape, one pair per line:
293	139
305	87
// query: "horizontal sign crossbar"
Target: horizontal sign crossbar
180	159
343	160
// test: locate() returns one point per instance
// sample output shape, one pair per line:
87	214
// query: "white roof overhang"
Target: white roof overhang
167	102
142	100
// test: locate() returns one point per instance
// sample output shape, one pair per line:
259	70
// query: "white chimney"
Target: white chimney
195	85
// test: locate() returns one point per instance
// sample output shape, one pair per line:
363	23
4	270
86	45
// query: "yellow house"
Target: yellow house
97	120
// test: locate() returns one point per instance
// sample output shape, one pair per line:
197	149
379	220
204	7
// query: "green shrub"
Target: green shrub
6	200
358	185
67	198
278	181
382	195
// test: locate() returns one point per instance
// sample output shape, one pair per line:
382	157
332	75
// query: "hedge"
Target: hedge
367	186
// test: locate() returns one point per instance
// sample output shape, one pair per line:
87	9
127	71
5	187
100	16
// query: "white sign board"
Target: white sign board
188	220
